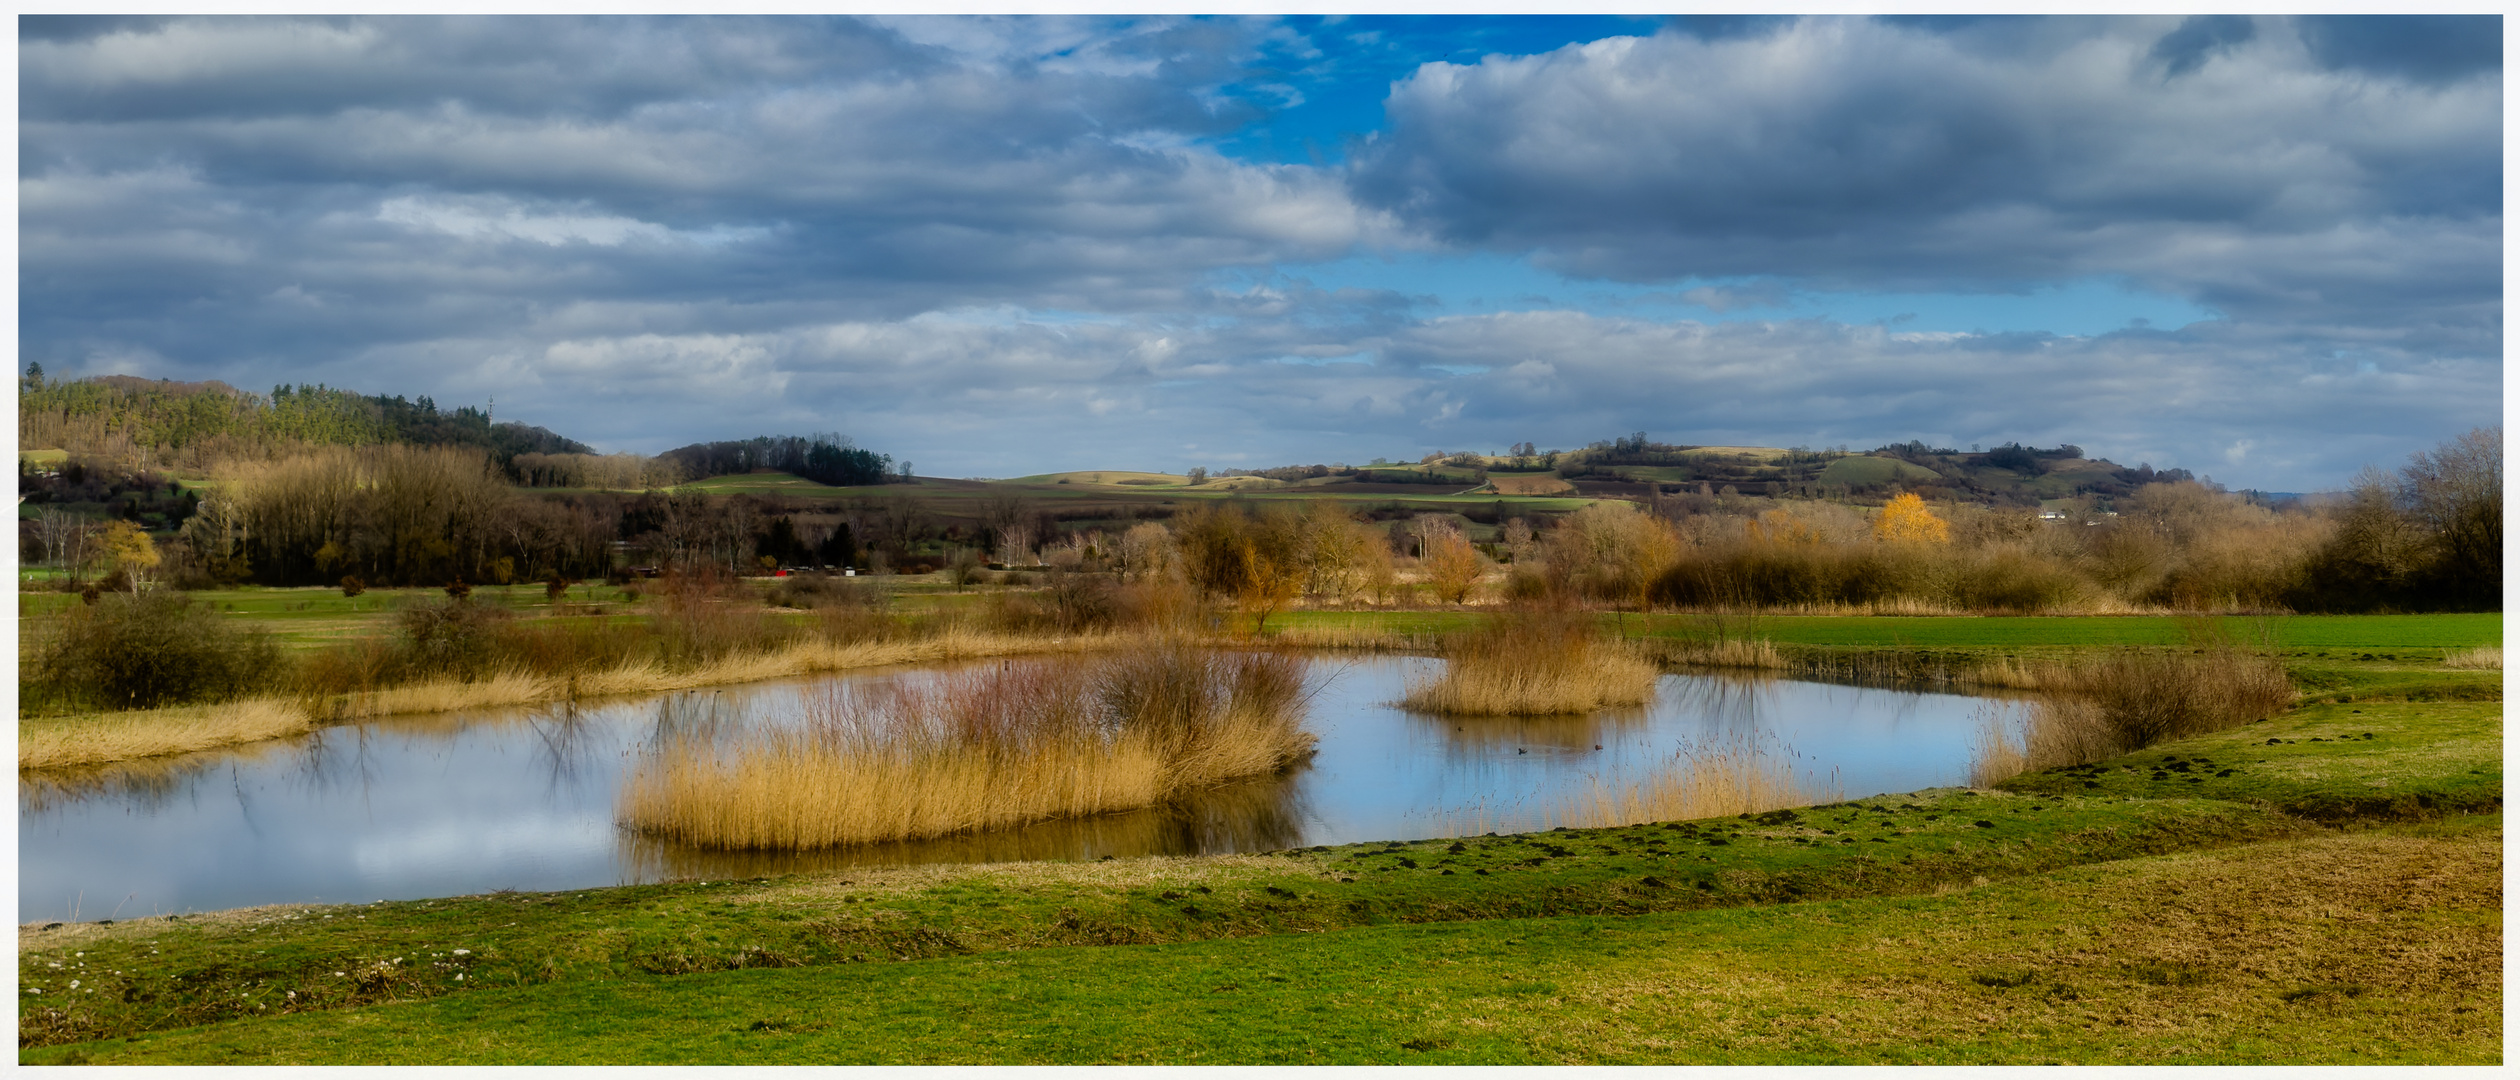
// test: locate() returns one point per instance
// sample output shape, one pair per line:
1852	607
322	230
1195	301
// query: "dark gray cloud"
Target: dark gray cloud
994	245
2430	48
2200	38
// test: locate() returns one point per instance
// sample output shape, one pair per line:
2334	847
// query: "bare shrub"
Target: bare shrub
142	651
1082	602
1017	613
2008	578
1611	552
357	666
2150	696
814	592
2132	698
453	637
846	612
964	568
1524	585
568	646
706	618
1164	606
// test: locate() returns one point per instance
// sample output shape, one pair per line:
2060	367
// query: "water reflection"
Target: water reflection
1256	815
524	798
146	785
1482	737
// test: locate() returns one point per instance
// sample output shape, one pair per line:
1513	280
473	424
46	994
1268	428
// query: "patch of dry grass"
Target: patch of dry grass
976	750
1719	779
2483	657
55	742
1752	654
1369	639
1535	663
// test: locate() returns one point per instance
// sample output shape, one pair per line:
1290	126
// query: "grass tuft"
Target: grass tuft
2483	658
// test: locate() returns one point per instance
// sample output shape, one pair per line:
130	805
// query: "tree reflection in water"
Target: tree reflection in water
566	747
447	804
145	786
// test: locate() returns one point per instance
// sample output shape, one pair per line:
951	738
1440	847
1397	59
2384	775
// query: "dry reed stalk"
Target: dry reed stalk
1720	780
102	737
1757	654
1911	605
499	688
1999	751
1348	638
975	751
1527	664
2483	657
2010	674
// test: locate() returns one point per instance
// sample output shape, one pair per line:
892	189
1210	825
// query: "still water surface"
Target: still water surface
523	798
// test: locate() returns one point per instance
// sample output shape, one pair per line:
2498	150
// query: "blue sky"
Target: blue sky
2267	249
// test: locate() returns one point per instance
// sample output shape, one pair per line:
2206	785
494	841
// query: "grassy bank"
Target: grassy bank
2129	913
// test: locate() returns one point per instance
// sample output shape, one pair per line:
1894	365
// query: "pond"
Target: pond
471	802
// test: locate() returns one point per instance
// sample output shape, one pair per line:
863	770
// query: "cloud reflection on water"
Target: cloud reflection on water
524	798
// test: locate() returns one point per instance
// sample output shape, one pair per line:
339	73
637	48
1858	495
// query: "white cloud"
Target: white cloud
471	220
1861	155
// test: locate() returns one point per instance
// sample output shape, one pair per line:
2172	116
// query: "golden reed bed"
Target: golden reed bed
1535	663
976	750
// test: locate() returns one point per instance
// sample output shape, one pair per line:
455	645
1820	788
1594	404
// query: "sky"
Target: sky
2264	249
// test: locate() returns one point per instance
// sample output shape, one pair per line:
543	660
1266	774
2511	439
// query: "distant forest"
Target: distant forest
825	459
144	422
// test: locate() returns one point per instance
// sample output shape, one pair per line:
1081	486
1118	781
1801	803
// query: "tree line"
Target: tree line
826	458
138	422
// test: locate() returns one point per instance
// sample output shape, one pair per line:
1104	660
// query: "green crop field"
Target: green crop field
2303	633
309	616
1859	471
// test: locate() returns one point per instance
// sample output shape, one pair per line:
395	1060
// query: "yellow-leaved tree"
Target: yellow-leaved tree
1906	520
131	551
1452	567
